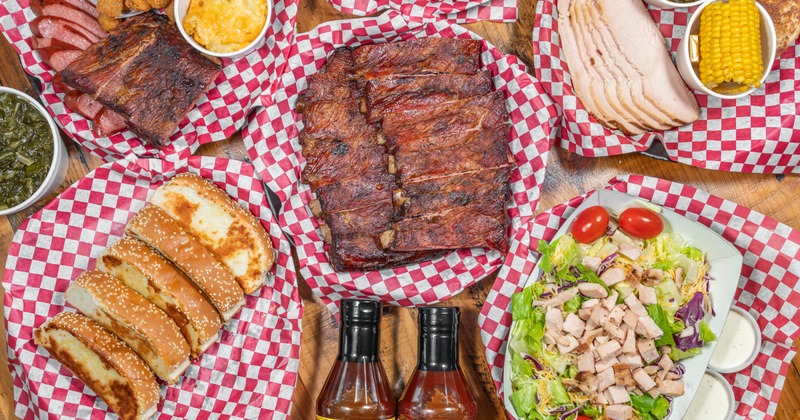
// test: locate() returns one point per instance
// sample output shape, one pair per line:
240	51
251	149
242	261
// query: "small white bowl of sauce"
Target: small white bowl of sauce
713	400
738	343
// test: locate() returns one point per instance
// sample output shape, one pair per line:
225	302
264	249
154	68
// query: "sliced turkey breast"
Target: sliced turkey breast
604	57
620	67
640	40
630	83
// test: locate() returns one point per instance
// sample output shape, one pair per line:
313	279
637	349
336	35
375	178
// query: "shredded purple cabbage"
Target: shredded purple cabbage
561	409
679	368
536	363
693	311
571	412
606	264
691	342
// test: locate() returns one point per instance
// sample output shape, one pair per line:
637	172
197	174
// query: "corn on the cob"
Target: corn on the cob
730	45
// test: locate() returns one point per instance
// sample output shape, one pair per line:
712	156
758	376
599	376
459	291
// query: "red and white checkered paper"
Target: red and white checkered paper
272	141
249	373
769	286
457	11
758	133
218	114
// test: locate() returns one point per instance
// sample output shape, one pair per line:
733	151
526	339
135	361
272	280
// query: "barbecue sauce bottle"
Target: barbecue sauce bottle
437	389
357	387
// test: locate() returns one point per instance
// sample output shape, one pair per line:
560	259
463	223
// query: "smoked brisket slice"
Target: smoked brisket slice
425	55
147	73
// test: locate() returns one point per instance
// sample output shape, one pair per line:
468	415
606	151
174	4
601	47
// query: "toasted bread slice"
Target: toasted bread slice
103	362
144	270
134	319
227	229
155	228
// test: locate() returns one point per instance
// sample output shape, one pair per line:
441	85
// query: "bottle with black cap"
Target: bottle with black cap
357	387
437	389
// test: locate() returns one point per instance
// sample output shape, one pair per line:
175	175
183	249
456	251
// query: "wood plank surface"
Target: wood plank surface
568	175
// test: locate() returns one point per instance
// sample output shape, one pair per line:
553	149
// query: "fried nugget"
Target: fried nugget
108	22
157	4
138	5
110	8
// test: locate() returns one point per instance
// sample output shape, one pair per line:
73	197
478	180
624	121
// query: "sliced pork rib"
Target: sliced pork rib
425	55
391	93
620	67
145	72
406	149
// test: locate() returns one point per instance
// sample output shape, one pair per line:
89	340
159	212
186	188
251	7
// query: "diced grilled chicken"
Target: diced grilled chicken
666	363
586	362
559	299
671	388
630	319
592	263
554	319
629	345
609	350
623	376
566	344
601	365
644	381
599	315
629	251
614	330
606	379
647	350
618	394
635	305
647	295
649	328
611	300
633	361
619	412
613	276
590	303
574	325
592	290
616	315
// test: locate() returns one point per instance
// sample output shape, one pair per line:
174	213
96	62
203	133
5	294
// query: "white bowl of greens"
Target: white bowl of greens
684	278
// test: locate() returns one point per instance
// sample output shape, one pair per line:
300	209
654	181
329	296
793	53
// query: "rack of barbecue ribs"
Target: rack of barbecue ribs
406	149
145	72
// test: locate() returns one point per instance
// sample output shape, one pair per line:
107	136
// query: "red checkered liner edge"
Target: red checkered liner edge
272	142
770	278
218	114
249	373
753	134
458	11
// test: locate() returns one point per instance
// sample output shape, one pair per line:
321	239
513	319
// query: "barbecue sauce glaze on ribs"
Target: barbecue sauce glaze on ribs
406	150
145	72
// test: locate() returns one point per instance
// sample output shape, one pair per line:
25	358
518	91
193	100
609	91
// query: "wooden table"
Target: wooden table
568	175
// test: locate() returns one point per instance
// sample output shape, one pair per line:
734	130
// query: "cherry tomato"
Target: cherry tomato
590	225
583	417
641	223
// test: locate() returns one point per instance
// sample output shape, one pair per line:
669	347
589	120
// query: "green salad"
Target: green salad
600	334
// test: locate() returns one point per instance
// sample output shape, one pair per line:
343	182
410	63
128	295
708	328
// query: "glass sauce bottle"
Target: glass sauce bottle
437	389
357	387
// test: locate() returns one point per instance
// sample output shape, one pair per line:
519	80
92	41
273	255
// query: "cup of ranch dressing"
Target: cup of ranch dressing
738	344
713	399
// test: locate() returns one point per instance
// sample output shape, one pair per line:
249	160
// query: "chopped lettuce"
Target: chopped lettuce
522	304
557	392
693	253
678	354
650	408
705	332
572	305
523	399
588	275
546	249
624	288
662	319
593	411
669	297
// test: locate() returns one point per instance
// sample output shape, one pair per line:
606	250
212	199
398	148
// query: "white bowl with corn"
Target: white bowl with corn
728	49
